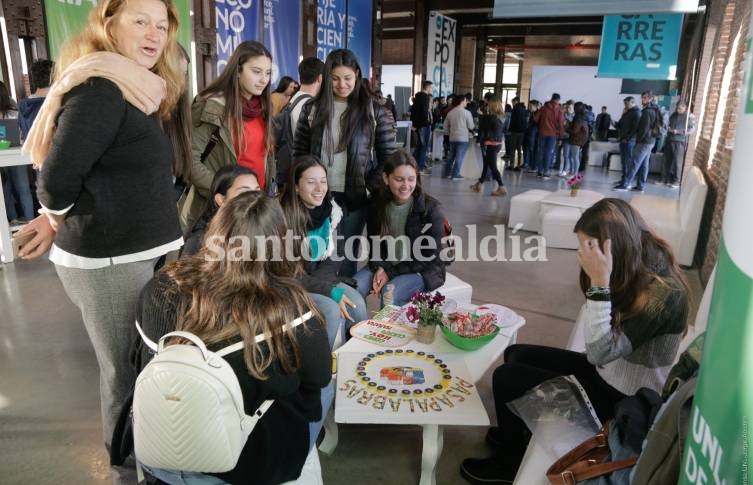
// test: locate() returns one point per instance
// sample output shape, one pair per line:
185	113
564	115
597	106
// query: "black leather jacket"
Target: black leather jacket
364	170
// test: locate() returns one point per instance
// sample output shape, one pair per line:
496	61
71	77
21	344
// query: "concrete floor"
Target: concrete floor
49	408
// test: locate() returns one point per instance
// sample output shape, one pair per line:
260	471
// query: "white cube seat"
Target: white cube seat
557	227
524	210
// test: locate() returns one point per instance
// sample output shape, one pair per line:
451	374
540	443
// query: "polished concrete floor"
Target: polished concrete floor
49	409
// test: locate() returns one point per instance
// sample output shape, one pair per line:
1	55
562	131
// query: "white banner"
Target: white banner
440	53
572	8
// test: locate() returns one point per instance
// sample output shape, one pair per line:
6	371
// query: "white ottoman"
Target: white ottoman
557	227
615	162
524	209
456	289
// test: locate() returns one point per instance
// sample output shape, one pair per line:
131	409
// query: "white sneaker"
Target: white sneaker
563	174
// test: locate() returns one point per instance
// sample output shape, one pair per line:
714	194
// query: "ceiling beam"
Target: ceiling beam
502	31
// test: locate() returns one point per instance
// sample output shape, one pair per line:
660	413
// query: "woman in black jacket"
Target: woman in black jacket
224	299
343	125
491	131
402	210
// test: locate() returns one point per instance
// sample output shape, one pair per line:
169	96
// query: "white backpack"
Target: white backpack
188	409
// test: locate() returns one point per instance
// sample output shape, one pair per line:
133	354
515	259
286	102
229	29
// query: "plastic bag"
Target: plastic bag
559	412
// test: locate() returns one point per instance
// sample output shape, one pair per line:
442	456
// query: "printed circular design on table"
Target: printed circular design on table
403	373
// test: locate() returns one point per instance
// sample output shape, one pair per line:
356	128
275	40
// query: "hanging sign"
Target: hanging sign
640	46
237	21
282	20
440	53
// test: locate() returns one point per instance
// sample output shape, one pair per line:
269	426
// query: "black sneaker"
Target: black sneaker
494	437
487	471
620	188
637	189
617	184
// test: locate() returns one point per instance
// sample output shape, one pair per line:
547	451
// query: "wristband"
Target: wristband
599	291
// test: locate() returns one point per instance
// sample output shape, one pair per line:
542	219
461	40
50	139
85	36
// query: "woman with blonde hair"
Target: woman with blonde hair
232	125
222	300
106	178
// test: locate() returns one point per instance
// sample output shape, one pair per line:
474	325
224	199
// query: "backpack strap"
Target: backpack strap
222	352
213	140
261	337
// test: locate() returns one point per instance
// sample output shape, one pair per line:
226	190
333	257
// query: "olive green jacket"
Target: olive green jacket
208	115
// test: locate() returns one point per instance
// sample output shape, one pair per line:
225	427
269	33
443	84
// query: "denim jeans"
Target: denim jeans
328	397
626	155
422	146
566	160
530	143
575	152
455	158
353	222
403	286
331	312
547	144
18	185
175	477
639	167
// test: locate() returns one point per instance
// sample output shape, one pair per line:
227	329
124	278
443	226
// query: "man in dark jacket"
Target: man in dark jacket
603	123
518	127
627	127
420	116
644	142
681	124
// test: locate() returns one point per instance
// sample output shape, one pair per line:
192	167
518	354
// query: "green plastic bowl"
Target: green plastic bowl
4	144
467	343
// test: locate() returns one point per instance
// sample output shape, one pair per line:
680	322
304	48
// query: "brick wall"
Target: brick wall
397	51
464	68
715	103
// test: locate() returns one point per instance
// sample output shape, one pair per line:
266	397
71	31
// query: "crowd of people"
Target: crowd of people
116	199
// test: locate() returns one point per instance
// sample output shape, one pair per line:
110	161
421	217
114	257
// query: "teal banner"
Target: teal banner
640	46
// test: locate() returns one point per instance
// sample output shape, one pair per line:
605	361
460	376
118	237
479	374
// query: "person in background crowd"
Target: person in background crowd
585	150
563	156
310	73
517	127
471	105
18	188
530	142
420	116
390	103
228	300
490	136
644	142
634	318
106	180
285	90
681	126
232	126
578	131
603	124
402	208
343	126
229	182
459	126
551	127
627	128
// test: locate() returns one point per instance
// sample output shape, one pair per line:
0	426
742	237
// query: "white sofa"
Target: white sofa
677	221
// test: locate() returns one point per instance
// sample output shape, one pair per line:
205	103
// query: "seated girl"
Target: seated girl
316	219
634	318
228	182
234	299
401	210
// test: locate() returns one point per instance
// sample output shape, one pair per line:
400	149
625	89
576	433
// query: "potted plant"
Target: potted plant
426	312
574	184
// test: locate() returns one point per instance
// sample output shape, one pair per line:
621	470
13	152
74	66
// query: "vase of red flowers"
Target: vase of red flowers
426	312
574	184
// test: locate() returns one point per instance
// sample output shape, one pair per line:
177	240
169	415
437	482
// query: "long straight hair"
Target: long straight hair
399	158
227	85
296	213
357	115
178	129
639	256
245	296
96	37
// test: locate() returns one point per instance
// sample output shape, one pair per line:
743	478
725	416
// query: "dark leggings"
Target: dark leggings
490	163
525	367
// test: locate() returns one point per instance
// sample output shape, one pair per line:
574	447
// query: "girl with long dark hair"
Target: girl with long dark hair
402	210
633	319
223	300
353	135
491	132
316	219
285	90
232	125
